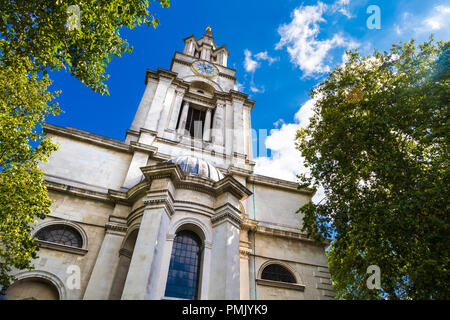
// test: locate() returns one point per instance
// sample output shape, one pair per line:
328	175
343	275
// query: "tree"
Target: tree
37	37
24	104
81	38
378	143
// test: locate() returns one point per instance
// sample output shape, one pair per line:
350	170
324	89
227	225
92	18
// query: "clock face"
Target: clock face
205	69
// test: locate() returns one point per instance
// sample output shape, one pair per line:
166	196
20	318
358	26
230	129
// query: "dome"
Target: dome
194	165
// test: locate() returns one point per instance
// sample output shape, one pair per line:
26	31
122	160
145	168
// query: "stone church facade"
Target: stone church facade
174	211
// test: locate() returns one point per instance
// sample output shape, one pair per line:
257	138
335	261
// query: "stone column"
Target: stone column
207	126
145	263
225	266
250	133
165	112
160	289
238	126
102	275
244	251
154	113
144	105
176	110
121	274
184	113
153	226
134	173
229	128
217	136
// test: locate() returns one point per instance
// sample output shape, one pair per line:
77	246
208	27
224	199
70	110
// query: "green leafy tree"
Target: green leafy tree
378	143
24	104
82	39
37	37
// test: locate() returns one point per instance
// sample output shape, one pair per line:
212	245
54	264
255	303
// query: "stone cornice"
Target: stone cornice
233	186
249	224
279	284
76	191
87	137
276	232
196	98
226	213
116	228
194	207
279	184
160	198
181	180
102	141
61	247
239	171
116	225
136	146
231	70
160	74
112	196
244	252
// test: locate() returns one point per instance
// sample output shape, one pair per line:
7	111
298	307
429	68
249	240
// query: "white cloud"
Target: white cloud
342	7
238	86
300	37
250	65
286	161
255	89
265	56
436	20
251	61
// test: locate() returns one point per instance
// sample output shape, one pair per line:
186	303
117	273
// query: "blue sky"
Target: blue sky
280	50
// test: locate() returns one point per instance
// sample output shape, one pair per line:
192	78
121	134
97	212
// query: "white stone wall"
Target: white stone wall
276	206
87	163
91	216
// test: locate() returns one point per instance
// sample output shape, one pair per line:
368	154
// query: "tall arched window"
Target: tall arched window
184	269
276	272
61	234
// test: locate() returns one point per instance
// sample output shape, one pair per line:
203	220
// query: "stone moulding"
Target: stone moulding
181	180
116	228
226	213
87	137
160	198
279	284
61	247
52	278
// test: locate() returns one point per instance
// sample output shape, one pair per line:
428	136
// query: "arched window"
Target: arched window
276	272
61	234
184	269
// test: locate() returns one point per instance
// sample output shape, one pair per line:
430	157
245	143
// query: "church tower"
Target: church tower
193	109
174	211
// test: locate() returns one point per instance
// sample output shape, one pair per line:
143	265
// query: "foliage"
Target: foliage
24	104
37	37
378	143
40	30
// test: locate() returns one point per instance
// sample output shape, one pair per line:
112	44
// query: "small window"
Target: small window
276	272
61	234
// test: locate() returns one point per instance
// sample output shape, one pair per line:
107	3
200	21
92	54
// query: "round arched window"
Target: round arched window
276	272
61	234
184	269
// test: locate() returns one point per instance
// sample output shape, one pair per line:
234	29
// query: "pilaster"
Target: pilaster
102	276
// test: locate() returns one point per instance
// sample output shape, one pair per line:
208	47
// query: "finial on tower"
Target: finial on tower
208	28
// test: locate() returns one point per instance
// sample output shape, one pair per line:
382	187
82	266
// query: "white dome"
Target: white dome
194	165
